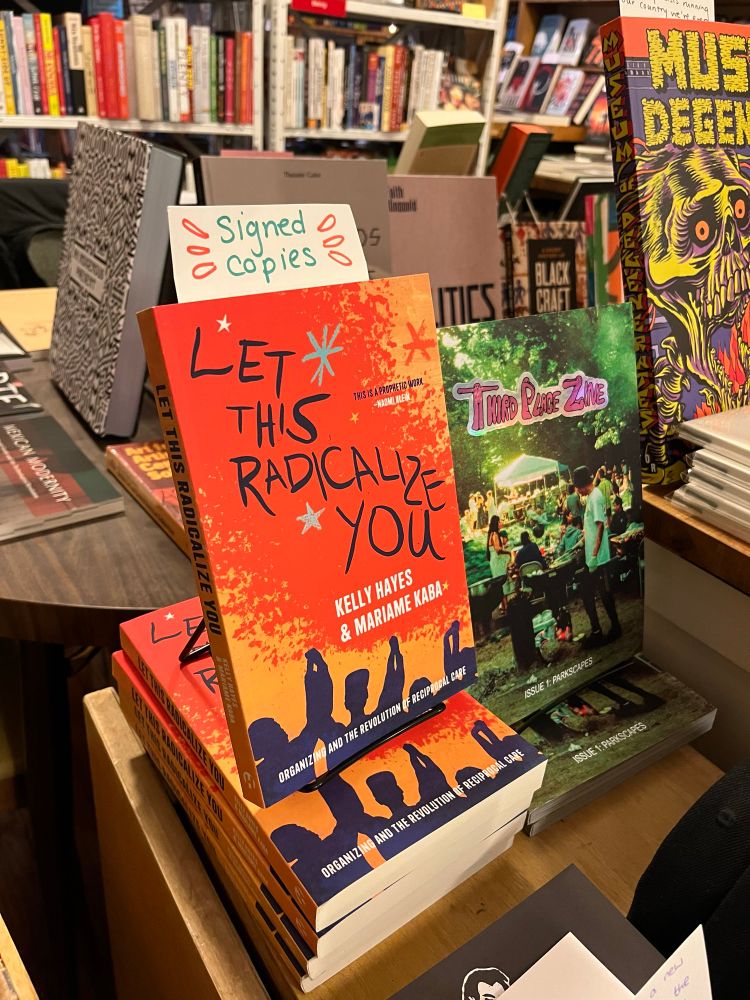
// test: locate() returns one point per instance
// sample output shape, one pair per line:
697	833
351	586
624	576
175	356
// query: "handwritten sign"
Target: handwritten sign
227	250
683	10
684	975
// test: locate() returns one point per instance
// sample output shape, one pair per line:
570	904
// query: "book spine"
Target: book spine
89	72
145	497
201	798
173	84
387	54
246	766
72	24
190	80
213	77
221	80
29	34
156	74
182	70
397	96
121	70
48	61
379	85
61	64
43	95
144	66
9	99
249	73
131	83
19	43
96	39
238	77
244	103
164	74
656	463
230	86
14	80
109	65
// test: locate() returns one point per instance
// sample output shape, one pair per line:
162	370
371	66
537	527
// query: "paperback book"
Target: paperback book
328	436
517	85
445	227
114	250
143	469
547	614
46	481
545	267
680	142
363	184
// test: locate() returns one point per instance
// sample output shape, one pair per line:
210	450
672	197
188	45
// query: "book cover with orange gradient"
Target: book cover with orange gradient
309	445
427	787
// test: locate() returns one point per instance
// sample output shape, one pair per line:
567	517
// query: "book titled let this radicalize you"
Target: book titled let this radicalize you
321	515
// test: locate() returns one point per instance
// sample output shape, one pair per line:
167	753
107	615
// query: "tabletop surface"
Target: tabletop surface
612	840
709	548
76	584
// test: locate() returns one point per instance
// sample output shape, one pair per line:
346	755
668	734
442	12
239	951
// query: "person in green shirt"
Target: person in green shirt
595	582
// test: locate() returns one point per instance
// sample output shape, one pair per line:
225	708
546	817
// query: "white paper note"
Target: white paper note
684	976
683	10
568	972
227	250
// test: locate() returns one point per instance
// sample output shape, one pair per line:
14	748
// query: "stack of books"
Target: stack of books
325	750
717	480
560	81
170	70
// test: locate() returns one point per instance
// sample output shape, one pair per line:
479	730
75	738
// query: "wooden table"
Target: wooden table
14	979
75	586
72	587
163	909
709	548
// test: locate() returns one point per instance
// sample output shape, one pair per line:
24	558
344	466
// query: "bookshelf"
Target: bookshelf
491	31
254	130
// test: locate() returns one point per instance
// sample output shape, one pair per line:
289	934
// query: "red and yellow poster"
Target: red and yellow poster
309	445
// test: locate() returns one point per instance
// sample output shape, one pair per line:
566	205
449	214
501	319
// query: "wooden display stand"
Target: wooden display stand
14	979
170	936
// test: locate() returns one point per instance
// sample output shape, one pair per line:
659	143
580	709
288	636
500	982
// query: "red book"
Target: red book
398	91
143	469
64	109
357	466
44	95
247	40
229	84
437	764
96	41
109	65
3	168
238	77
123	110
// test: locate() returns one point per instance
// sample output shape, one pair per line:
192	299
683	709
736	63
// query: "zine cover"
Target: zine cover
548	267
310	451
517	85
419	780
542	84
535	406
680	133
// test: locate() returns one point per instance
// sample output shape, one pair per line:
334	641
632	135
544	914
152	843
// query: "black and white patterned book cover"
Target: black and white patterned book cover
102	224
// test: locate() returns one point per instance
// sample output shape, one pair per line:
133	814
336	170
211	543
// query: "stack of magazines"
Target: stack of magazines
717	481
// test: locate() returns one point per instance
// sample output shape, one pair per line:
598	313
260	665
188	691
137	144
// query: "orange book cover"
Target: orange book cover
142	467
121	85
327	845
309	445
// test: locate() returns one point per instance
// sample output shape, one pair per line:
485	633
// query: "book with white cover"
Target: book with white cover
726	433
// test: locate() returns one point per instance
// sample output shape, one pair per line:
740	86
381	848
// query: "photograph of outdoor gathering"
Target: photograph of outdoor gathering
551	508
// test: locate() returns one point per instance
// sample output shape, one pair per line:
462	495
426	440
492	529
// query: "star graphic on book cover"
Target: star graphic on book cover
322	352
417	343
354	418
224	324
311	518
168	617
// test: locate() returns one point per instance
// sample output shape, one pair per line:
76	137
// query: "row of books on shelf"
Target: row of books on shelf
559	77
376	87
122	69
35	166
